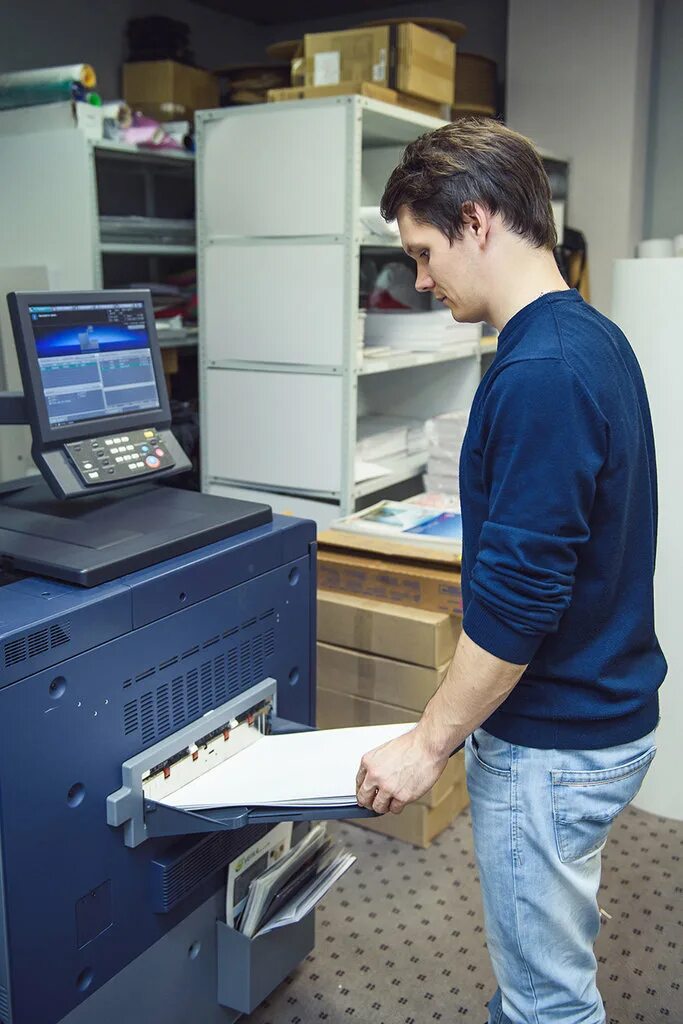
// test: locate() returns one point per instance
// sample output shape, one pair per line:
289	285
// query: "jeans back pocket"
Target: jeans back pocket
585	803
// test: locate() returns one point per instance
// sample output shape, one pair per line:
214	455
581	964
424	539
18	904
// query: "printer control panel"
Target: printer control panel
115	457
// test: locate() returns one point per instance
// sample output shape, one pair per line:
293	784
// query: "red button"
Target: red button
160	452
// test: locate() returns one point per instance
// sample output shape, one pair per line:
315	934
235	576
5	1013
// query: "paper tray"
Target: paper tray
170	821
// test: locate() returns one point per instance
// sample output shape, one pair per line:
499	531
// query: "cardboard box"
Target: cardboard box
405	57
441	556
377	627
418	824
313	92
403	686
374	92
409	584
168	91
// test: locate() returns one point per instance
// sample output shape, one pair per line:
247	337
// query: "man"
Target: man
558	656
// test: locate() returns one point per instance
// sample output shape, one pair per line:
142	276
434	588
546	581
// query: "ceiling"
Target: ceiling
280	12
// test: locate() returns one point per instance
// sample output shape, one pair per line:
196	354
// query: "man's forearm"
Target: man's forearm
474	686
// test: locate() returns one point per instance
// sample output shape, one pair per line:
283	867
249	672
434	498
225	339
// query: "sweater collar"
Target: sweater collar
520	320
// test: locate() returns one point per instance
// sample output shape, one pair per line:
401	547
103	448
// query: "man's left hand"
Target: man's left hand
397	773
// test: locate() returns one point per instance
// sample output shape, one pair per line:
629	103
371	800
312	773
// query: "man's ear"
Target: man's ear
477	222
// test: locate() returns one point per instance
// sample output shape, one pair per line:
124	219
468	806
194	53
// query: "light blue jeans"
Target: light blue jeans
540	820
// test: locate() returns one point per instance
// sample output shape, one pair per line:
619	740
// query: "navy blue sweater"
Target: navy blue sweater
559	504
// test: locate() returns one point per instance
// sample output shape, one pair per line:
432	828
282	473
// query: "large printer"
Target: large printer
143	628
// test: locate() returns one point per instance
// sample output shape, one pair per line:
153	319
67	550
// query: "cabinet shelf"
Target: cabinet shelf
146	249
400	468
406	360
109	148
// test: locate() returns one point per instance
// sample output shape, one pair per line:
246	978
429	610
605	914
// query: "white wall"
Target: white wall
35	33
578	79
664	189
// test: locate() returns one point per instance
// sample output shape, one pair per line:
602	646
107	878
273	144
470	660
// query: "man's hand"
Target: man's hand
397	773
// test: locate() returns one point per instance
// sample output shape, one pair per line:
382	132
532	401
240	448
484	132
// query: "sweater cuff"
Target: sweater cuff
496	637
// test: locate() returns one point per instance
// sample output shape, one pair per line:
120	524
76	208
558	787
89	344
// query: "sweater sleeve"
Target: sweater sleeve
544	442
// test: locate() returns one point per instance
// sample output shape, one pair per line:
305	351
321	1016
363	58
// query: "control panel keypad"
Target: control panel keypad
118	457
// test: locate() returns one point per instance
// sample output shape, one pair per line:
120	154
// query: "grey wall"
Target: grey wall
35	33
664	182
578	80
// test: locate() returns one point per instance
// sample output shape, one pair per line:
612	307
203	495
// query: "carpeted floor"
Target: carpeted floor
401	941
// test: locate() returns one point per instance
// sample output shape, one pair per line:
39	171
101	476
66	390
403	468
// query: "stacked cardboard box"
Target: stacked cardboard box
414	576
379	663
397	63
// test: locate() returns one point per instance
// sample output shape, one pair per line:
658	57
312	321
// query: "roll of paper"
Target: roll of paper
119	112
44	85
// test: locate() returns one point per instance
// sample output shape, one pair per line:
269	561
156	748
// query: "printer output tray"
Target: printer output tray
161	820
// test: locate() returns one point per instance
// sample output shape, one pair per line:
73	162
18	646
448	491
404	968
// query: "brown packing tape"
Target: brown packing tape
366	677
362	630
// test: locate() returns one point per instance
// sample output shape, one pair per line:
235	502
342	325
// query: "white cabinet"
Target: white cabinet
279	190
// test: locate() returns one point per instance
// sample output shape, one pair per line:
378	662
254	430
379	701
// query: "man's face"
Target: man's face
447	271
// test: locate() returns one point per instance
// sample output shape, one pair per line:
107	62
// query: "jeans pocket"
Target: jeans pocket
490	753
585	803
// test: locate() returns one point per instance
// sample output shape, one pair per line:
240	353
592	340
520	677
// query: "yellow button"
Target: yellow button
149	433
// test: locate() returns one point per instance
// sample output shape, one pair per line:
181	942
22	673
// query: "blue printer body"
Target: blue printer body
94	929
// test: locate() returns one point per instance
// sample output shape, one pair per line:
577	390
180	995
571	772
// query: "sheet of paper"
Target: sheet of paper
368	471
307	768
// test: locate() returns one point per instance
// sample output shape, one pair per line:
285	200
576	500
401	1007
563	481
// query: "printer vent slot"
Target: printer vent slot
40	641
235	666
192	691
178	701
163	710
60	633
176	877
219	679
4	1000
15	651
233	672
147	717
130	717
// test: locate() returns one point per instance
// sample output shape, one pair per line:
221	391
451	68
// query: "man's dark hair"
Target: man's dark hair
473	160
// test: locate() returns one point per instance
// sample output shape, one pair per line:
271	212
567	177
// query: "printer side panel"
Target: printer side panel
4	946
80	904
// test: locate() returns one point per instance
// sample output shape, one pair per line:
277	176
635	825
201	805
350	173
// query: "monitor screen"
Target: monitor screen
94	360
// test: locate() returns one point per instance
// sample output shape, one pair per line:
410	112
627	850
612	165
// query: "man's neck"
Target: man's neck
521	280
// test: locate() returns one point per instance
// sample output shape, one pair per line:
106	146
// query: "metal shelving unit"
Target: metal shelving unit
279	258
59	188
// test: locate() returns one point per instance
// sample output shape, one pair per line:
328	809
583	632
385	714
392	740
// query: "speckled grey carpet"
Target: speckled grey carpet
401	941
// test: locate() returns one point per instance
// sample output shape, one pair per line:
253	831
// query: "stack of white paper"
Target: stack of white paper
296	770
445	435
409	330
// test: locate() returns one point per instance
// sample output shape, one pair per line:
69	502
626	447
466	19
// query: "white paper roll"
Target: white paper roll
82	73
118	111
655	248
